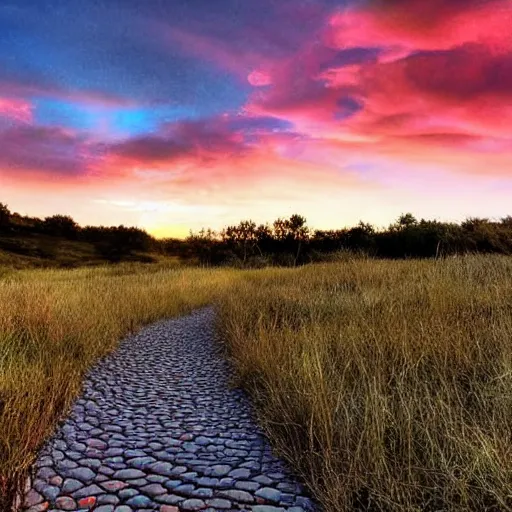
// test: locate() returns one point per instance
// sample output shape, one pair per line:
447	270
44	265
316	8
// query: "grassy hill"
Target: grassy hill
36	250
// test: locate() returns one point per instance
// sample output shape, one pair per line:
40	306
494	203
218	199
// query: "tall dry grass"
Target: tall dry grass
55	324
389	384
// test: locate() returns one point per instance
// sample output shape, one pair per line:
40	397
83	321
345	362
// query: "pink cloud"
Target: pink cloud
259	78
16	109
416	24
445	84
47	152
205	141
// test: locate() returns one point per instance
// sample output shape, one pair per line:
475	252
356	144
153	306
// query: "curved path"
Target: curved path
158	428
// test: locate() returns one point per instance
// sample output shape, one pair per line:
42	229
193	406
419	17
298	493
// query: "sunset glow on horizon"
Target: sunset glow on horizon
173	116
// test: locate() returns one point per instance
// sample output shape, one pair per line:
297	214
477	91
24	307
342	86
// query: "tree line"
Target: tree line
287	241
111	243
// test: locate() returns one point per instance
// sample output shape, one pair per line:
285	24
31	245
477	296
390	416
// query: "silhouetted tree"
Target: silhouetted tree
203	245
292	233
362	238
117	243
286	241
243	238
5	217
60	225
405	221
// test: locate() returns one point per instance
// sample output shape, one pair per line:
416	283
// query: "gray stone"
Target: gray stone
127	493
240	473
71	485
66	503
162	468
41	507
46	473
193	504
141	462
108	499
236	495
50	492
90	490
219	503
139	501
185	489
137	482
85	475
263	480
134	453
113	485
179	470
247	485
169	499
305	503
226	483
153	489
208	482
267	508
43	462
66	464
128	474
90	463
32	498
220	470
269	494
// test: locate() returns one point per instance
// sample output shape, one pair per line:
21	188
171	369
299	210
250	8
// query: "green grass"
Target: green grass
386	384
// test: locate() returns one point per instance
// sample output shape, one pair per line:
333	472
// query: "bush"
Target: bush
60	225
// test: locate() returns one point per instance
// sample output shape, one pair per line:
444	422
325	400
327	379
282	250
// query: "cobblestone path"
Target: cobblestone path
158	428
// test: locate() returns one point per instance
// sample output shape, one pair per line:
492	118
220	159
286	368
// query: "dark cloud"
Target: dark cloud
351	57
53	151
461	73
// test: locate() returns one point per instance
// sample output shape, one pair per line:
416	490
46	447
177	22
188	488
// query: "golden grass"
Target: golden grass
389	384
386	384
55	324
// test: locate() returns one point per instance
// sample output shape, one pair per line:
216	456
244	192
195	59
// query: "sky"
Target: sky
173	115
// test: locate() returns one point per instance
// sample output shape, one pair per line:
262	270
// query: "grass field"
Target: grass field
387	384
55	324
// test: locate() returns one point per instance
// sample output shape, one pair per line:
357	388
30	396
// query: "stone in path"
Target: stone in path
159	428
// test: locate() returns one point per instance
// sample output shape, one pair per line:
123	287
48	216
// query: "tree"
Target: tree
362	237
5	217
507	221
117	243
244	237
292	233
202	244
406	220
60	225
265	240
